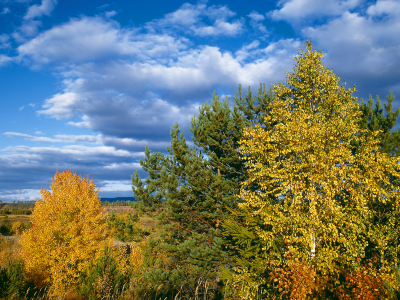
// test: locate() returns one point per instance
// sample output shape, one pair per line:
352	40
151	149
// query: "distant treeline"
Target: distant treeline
118	203
29	205
15	212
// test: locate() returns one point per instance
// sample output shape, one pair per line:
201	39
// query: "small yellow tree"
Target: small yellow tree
68	229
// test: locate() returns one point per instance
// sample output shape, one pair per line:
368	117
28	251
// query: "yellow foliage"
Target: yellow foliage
18	227
68	229
304	181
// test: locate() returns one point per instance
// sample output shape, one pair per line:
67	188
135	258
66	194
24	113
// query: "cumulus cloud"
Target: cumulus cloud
37	11
384	7
4	59
61	105
363	49
110	14
189	19
294	11
106	165
31	22
5	11
152	96
4	41
256	20
93	39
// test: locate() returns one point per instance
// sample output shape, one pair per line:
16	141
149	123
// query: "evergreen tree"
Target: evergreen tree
193	189
102	278
376	119
126	227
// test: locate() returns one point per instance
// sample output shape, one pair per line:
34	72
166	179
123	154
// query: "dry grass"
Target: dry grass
118	209
145	221
148	222
15	218
9	249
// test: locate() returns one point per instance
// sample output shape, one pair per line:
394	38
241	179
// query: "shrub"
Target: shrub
12	281
5	227
18	227
103	277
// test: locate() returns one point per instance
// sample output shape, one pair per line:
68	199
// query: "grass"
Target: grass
145	221
15	218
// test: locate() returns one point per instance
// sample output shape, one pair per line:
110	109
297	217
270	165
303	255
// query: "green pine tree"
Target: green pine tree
376	119
194	189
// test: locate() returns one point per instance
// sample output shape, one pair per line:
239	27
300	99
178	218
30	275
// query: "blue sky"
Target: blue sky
85	85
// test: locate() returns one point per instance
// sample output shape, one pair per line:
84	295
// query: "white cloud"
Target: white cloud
363	49
32	138
4	41
37	11
75	153
220	27
22	107
92	39
384	7
189	19
245	51
129	144
61	105
110	14
294	11
4	59
256	16
5	11
256	20
69	138
109	168
20	195
26	30
152	96
116	185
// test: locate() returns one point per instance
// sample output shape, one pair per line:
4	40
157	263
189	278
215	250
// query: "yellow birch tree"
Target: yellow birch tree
68	229
308	190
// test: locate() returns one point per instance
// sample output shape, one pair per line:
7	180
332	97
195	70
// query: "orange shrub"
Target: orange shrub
296	280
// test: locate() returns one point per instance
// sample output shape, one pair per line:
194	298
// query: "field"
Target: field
145	221
15	218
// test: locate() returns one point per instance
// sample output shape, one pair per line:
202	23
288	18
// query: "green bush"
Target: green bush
5	227
104	278
12	281
127	230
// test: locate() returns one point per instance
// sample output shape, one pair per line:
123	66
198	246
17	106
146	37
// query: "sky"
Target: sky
86	85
